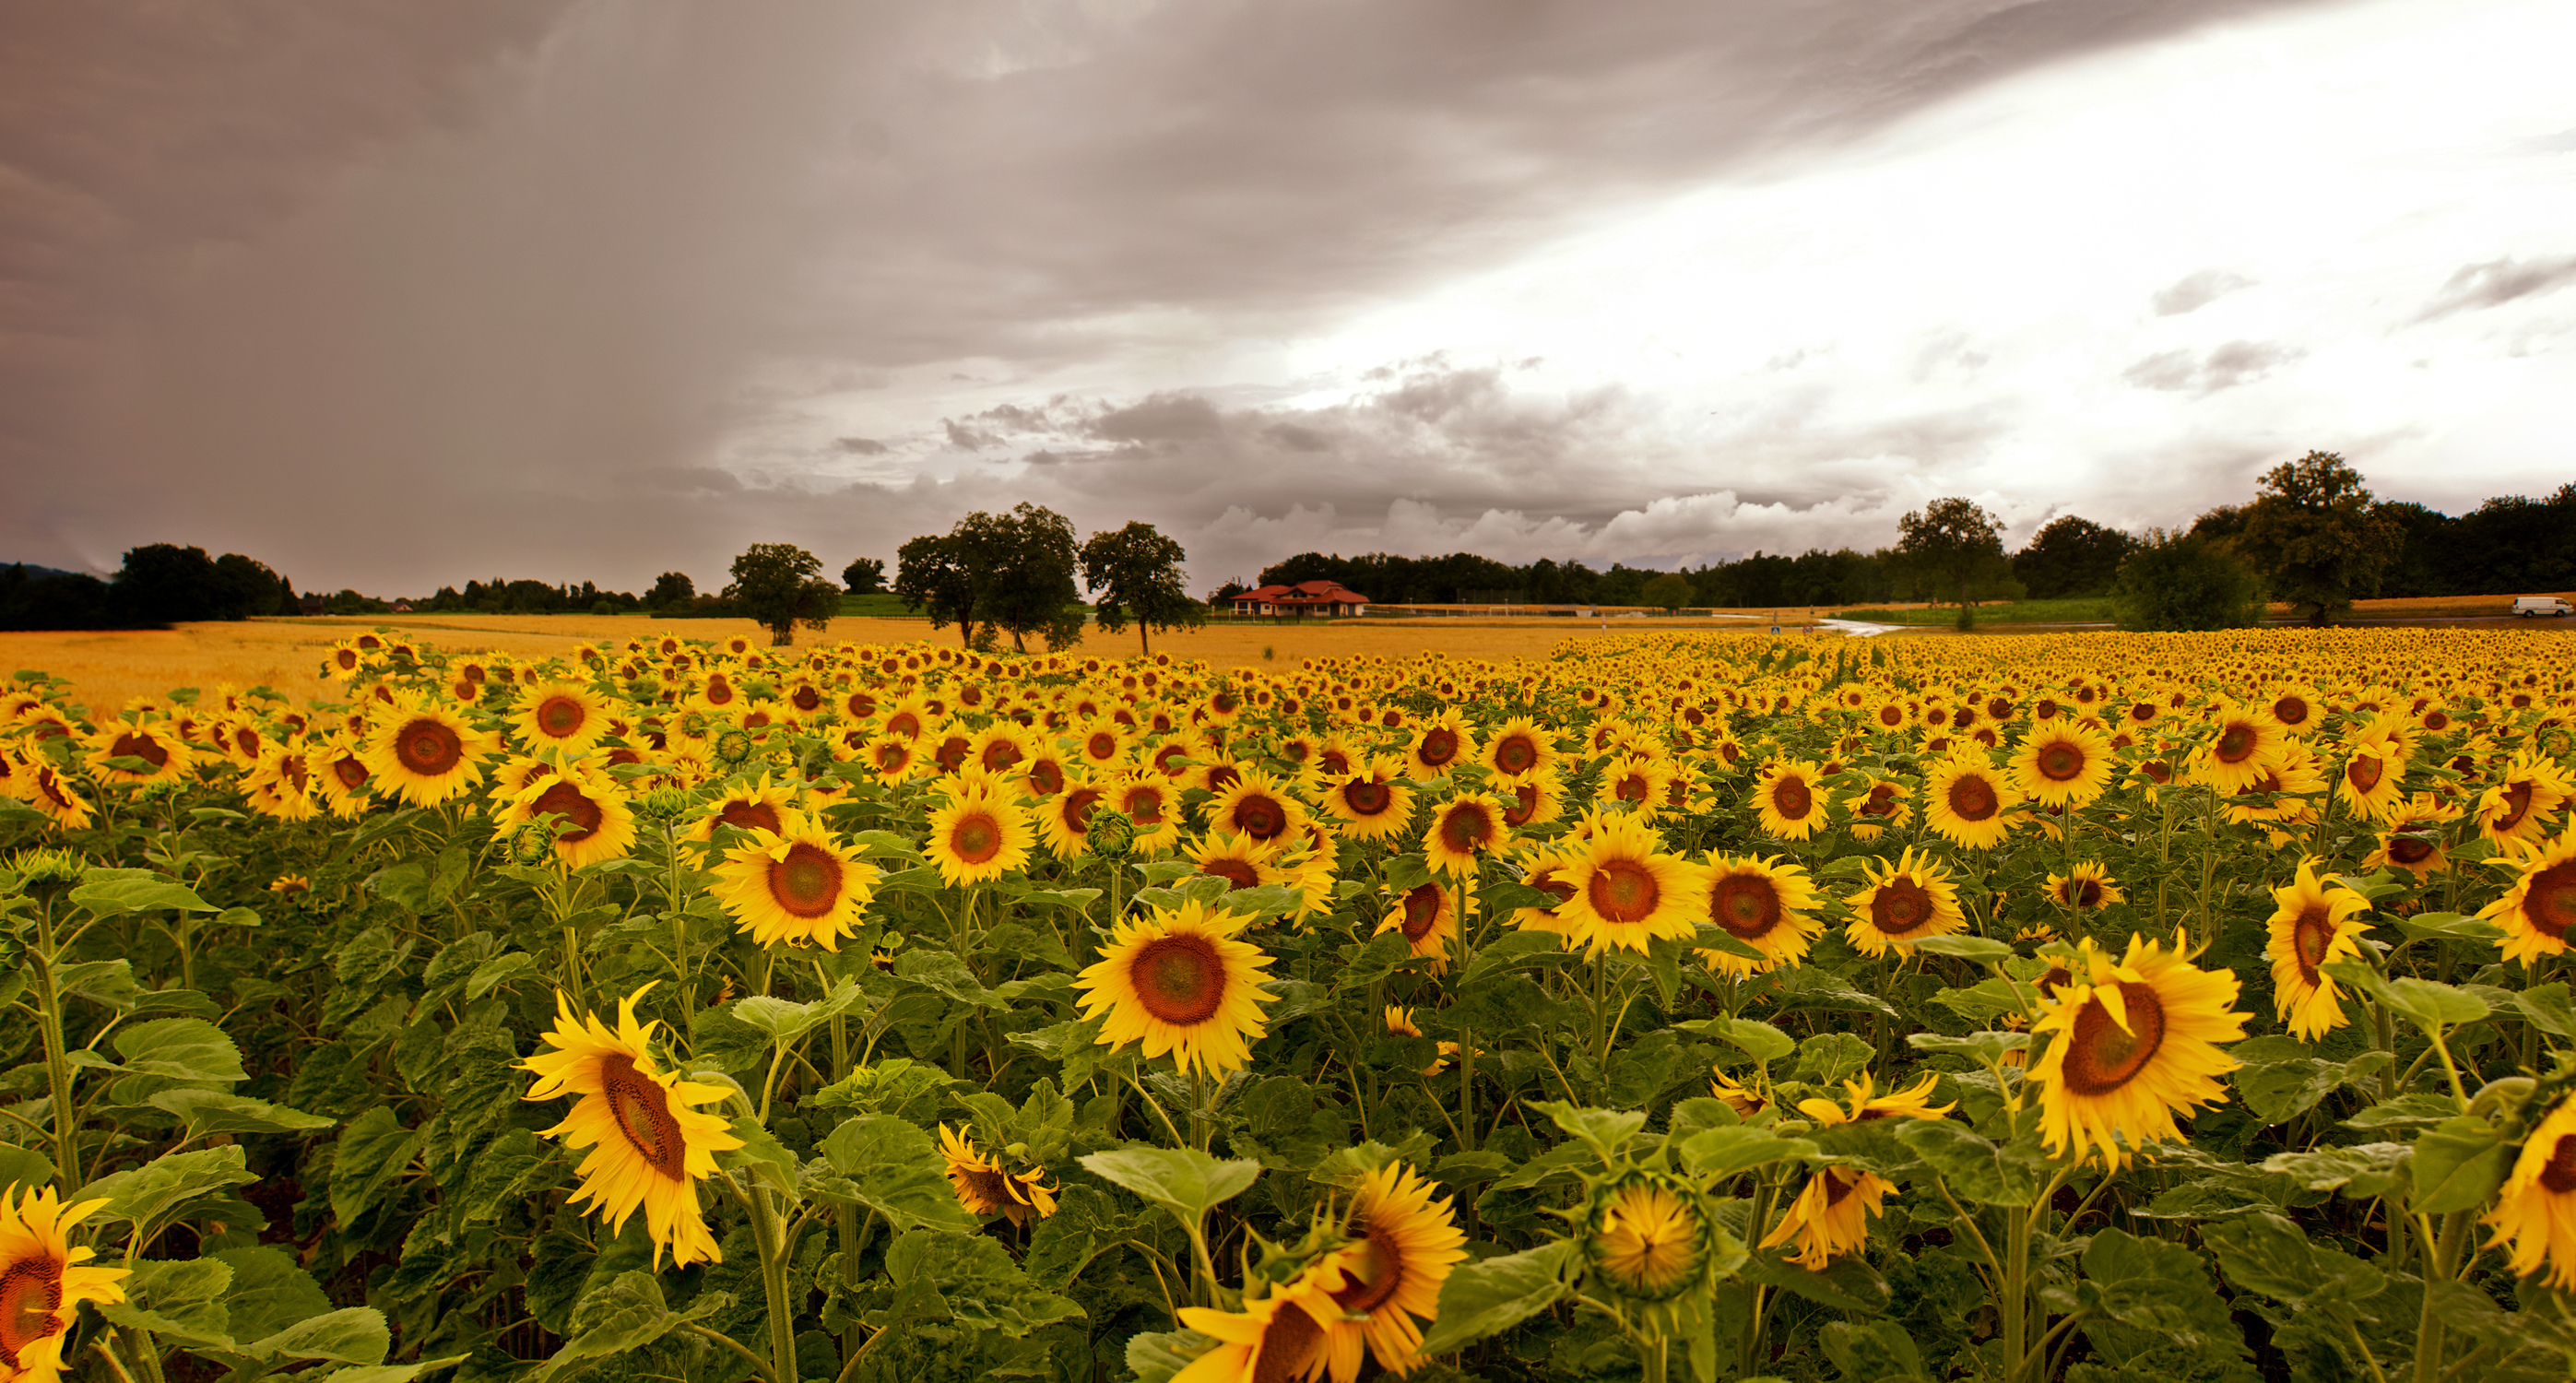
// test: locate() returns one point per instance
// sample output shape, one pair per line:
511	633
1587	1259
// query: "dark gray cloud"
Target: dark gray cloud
2497	282
2196	291
2222	367
384	291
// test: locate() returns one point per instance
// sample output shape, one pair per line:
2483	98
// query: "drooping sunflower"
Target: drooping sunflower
795	885
2519	805
1273	1339
2370	781
280	784
426	754
2534	1218
1180	981
649	1147
48	791
342	777
1767	905
2064	764
1967	801
2310	928
596	822
1831	1214
2085	887
1627	890
1257	806
1406	1243
1789	797
1519	748
985	1187
43	1282
2245	745
2413	841
1648	1236
1427	915
1464	830
977	836
1913	899
2133	1041
560	715
2537	911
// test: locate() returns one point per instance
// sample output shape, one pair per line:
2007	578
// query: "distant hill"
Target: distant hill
34	571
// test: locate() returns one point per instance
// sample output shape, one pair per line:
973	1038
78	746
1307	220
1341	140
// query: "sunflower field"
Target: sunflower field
2090	1007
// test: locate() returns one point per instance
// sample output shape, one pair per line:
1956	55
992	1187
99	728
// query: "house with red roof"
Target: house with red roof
1326	598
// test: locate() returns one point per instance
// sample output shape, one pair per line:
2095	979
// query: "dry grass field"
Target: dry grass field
108	668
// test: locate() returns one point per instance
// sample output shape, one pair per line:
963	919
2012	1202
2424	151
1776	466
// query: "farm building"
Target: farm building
1327	598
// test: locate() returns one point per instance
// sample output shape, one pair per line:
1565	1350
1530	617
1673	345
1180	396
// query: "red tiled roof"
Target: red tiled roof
1305	593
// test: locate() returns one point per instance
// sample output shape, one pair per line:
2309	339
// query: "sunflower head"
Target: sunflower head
1648	1236
1180	981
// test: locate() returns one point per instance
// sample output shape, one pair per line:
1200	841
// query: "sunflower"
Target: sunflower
978	836
2519	807
1967	801
343	778
2246	744
1877	808
1406	1243
760	806
1147	800
2067	764
2085	887
2413	841
2133	1042
2369	783
1627	890
1064	820
1042	774
1443	743
1641	781
1274	1338
984	1187
1746	1103
1254	805
560	715
2308	930
1180	981
1764	904
157	745
43	1282
426	754
1519	749
794	885
1427	916
596	822
1912	900
1463	831
998	747
649	1148
1831	1214
1788	797
1545	871
280	784
1648	1236
2534	1218
1238	859
907	719
2537	911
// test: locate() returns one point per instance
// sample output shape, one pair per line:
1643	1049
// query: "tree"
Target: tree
1668	592
781	585
671	588
865	576
2071	556
164	583
2317	537
1956	540
2178	580
1135	573
996	574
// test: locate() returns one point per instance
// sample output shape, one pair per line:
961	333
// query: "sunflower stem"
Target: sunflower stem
58	1071
2016	1310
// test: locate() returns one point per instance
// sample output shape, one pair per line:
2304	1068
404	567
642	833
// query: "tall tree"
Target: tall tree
2071	555
996	574
2317	537
1135	573
1955	539
866	576
671	588
781	585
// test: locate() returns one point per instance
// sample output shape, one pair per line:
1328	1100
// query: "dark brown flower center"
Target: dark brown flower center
976	838
749	816
1144	806
1236	873
1380	1270
1439	746
1880	802
642	1109
1515	754
1179	979
2291	710
1972	798
1522	806
1467	827
560	717
2060	762
999	755
1792	799
1900	905
951	752
2558	1174
569	802
2236	743
806	881
31	1292
2549	900
1074	812
2517	797
428	747
1623	891
1259	816
2363	772
2310	935
1422	909
136	744
1746	905
2100	1055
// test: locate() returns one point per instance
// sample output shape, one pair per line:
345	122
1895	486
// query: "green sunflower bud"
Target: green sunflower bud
666	803
732	747
1648	1236
1110	834
532	843
46	866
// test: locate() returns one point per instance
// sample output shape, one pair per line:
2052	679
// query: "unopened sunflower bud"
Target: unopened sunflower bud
532	843
666	803
732	747
1110	834
46	866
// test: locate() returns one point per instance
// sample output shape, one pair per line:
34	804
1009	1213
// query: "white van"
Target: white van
2529	605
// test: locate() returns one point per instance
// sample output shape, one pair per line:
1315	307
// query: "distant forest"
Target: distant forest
2506	546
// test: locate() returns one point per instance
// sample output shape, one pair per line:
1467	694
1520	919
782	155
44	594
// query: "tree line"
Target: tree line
159	584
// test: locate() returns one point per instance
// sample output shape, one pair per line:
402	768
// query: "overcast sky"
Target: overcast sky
392	294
